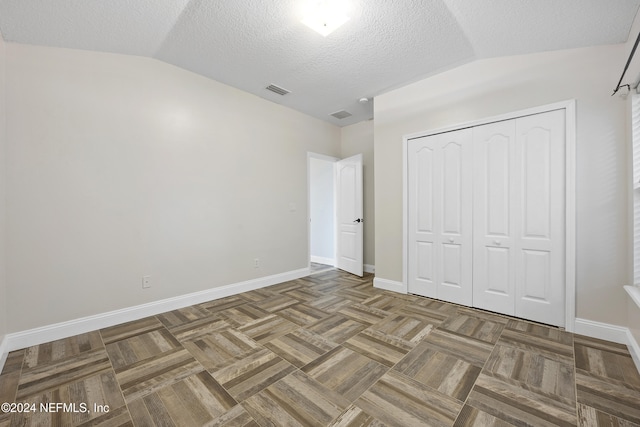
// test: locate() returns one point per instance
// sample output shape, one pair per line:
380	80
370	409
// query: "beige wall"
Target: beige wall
358	139
496	86
3	136
121	166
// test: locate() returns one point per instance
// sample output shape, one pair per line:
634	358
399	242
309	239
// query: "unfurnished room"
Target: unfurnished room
319	213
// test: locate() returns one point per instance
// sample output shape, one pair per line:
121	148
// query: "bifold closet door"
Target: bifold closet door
519	217
440	220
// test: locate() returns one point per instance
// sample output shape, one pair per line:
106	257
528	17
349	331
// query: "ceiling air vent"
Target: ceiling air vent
277	89
342	114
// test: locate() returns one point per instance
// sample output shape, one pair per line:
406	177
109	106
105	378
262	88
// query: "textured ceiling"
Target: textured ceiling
250	44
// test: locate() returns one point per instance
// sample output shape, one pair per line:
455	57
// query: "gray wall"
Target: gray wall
120	166
500	85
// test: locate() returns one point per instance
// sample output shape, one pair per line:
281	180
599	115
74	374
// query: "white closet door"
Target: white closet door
540	267
519	217
440	237
494	217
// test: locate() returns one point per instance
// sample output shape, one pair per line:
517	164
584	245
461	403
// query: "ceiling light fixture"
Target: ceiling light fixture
324	16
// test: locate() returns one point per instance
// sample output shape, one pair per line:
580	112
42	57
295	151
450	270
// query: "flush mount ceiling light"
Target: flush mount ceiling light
324	16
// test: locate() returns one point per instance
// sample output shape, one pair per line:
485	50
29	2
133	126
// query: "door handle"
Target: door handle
497	242
358	220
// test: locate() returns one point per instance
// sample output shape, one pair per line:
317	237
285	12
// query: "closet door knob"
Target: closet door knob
451	240
497	242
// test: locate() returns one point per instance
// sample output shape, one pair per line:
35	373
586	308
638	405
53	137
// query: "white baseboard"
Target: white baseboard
70	328
4	352
322	260
614	333
368	268
389	285
603	331
634	349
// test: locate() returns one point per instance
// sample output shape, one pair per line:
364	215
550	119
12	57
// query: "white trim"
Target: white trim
634	349
405	215
502	117
70	328
634	293
570	214
389	285
323	260
603	331
570	194
4	352
368	268
322	157
608	332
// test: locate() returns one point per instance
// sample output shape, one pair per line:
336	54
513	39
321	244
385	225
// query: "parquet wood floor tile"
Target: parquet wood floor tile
448	374
46	377
328	349
297	400
338	328
363	313
248	375
195	400
267	328
378	346
183	315
240	315
301	346
220	348
343	370
303	314
397	400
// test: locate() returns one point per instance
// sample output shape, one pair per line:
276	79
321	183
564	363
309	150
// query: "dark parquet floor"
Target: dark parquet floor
324	350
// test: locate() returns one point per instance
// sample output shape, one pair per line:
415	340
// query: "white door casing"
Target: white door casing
440	252
349	208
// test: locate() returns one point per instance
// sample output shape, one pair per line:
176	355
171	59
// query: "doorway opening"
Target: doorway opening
322	202
335	227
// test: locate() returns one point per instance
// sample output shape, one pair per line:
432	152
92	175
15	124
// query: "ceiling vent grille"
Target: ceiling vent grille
277	89
342	114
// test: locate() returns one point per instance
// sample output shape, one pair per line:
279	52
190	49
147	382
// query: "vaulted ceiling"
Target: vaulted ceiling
250	44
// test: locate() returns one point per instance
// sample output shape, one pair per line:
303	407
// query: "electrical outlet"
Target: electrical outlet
256	263
146	282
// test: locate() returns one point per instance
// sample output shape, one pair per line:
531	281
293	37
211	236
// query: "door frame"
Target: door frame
333	160
570	193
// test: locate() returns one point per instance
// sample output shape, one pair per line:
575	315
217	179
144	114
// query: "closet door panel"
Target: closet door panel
423	163
456	251
493	217
440	239
424	277
540	149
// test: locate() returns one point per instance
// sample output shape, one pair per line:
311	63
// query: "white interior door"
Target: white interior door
440	219
519	217
349	242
